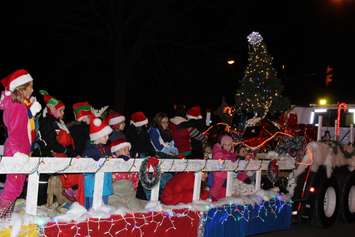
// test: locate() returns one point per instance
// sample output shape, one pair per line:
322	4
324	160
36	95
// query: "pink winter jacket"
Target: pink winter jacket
15	118
218	191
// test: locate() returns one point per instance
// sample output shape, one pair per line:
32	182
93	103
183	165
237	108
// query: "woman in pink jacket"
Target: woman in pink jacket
18	111
224	150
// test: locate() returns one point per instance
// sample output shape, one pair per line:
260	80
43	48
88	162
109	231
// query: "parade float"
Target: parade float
294	174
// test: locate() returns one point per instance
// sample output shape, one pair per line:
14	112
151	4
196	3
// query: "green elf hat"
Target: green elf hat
51	101
82	109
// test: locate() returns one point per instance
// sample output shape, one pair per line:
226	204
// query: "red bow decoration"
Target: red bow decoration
152	162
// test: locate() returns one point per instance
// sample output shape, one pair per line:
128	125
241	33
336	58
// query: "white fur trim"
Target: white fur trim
35	108
141	123
177	120
120	146
103	132
21	155
193	117
45	112
20	81
116	120
7	93
97	122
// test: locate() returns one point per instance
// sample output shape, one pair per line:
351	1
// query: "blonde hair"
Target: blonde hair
17	94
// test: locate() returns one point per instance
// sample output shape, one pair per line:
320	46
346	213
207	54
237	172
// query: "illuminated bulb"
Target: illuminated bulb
231	61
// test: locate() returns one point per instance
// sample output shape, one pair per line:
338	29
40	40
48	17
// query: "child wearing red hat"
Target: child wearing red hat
18	116
137	135
96	149
120	149
79	129
117	123
59	142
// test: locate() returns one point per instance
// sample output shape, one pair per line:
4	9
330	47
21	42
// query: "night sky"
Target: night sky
166	52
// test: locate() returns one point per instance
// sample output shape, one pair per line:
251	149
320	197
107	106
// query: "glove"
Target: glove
21	155
35	106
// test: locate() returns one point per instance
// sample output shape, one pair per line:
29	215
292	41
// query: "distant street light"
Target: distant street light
322	101
231	61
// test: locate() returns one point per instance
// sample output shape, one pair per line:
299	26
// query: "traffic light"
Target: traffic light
328	75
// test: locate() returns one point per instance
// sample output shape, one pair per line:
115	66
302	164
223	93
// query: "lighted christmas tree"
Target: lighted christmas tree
260	89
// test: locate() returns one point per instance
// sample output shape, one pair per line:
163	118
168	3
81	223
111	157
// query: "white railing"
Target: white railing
35	166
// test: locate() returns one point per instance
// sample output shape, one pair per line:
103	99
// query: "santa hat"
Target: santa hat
115	118
194	113
138	119
119	144
82	109
16	79
51	101
98	129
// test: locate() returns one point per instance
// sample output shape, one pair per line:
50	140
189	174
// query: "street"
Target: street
306	230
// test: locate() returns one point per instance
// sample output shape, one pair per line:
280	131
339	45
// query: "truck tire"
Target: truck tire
347	202
325	203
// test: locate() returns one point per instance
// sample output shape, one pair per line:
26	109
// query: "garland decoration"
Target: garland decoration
149	179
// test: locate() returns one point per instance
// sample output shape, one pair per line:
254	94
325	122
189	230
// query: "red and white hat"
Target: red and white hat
51	101
138	119
194	113
16	79
115	118
82	109
98	129
119	144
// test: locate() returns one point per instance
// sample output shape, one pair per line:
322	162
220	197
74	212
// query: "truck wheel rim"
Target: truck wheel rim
351	199
330	201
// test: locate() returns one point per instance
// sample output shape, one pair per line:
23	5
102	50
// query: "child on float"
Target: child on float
183	133
97	148
161	137
242	154
19	109
120	149
59	143
79	128
118	124
223	150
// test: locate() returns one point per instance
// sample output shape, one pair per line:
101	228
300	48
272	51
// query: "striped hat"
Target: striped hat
82	109
51	101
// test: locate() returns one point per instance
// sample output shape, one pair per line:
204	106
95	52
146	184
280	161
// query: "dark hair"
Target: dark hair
239	147
180	110
158	118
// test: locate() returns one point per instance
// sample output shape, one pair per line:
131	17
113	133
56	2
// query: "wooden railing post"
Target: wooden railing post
32	194
229	187
258	180
98	190
197	186
154	195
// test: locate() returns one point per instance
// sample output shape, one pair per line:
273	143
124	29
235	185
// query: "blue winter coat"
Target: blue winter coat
96	152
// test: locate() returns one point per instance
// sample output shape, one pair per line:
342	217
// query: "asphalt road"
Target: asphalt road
306	230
